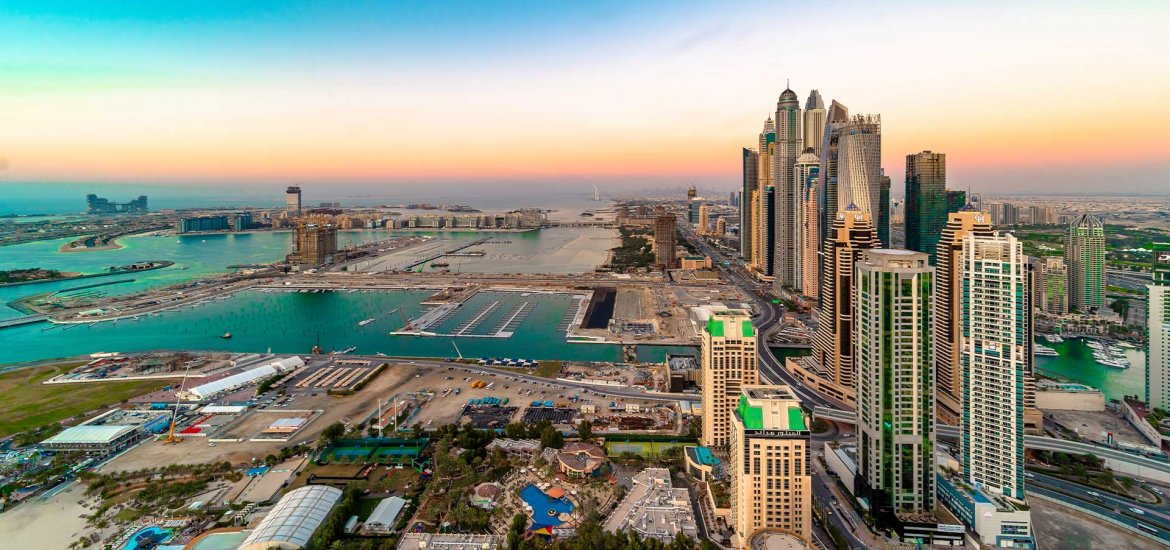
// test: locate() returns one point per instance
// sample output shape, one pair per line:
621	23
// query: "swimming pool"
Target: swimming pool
158	533
542	506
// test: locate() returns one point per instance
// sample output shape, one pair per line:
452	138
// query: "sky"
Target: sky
1027	97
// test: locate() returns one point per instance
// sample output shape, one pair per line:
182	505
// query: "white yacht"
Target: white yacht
1044	351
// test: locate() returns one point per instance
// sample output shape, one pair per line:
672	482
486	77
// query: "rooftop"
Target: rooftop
88	435
294	519
654	508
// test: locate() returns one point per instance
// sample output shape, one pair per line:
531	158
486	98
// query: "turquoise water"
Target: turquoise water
294	322
131	545
1076	363
222	541
542	505
201	255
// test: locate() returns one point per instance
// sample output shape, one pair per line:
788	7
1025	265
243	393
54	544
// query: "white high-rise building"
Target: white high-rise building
895	382
996	358
789	145
1158	357
859	164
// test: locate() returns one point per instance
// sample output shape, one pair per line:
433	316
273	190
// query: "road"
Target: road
1102	507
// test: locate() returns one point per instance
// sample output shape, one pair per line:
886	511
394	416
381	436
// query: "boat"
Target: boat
1044	351
1113	363
1052	338
226	336
1093	344
344	351
1126	345
380	354
366	322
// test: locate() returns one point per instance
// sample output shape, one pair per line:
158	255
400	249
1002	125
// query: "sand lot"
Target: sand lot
54	522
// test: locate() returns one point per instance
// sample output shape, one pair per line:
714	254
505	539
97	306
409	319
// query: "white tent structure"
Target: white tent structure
291	523
228	383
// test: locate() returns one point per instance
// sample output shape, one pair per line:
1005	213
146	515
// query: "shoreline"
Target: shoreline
111	245
159	265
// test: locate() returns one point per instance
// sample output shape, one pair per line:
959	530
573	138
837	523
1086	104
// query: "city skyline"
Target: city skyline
369	96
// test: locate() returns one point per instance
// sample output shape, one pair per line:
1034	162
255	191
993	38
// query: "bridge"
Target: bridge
26	320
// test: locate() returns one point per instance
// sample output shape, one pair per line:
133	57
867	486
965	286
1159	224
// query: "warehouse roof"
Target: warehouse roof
293	520
88	435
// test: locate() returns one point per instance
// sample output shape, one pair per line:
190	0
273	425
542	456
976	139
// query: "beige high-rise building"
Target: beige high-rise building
947	306
315	243
814	122
704	219
720	227
859	164
806	171
770	464
761	229
852	233
728	364
789	146
757	231
292	200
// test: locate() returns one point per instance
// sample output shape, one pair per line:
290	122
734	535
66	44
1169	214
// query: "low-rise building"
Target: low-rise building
484	495
654	508
384	516
702	464
696	262
579	459
449	541
995	520
516	447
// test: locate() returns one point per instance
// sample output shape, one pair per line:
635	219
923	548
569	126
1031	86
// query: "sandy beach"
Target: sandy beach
54	522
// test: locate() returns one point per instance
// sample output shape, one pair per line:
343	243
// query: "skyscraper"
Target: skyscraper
292	200
996	358
1158	324
751	168
926	201
767	246
1084	254
788	148
314	243
704	219
814	122
1051	288
720	227
827	203
895	384
770	463
859	163
763	229
808	170
693	210
947	307
883	210
852	233
692	192
728	364
664	230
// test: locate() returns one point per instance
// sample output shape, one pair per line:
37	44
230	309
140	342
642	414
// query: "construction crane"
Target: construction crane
175	412
457	352
405	321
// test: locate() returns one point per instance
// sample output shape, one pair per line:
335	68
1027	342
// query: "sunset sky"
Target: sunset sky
1022	96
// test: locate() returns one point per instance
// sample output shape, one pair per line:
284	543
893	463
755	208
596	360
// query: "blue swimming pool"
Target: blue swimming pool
156	534
544	509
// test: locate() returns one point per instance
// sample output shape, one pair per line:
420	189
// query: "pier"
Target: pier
26	320
434	257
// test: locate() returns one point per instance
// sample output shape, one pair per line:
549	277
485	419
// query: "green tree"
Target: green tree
585	431
551	437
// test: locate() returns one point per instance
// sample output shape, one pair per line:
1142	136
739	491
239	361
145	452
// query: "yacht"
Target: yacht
1113	363
1052	338
1044	351
1094	345
366	322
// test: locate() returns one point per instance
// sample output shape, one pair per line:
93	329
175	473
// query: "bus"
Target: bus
1147	529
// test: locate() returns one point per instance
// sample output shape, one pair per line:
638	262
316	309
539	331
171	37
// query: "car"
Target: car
211	444
1137	511
1094	494
1029	475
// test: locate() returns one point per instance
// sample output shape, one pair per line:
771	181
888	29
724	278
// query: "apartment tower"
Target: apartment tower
808	171
926	201
292	200
996	359
814	122
704	219
751	167
728	365
947	308
895	383
664	245
827	203
789	140
1084	254
859	164
852	233
1158	311
770	464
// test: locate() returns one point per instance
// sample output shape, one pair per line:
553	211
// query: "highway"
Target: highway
1116	509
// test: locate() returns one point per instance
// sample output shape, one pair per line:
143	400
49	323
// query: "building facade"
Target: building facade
292	200
315	243
1158	319
751	161
806	167
1084	254
895	384
789	146
664	246
728	364
926	201
851	235
815	116
810	242
704	219
1051	295
947	308
827	195
996	359
859	164
770	464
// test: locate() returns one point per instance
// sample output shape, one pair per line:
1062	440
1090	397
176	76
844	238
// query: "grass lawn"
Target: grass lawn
27	403
643	448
